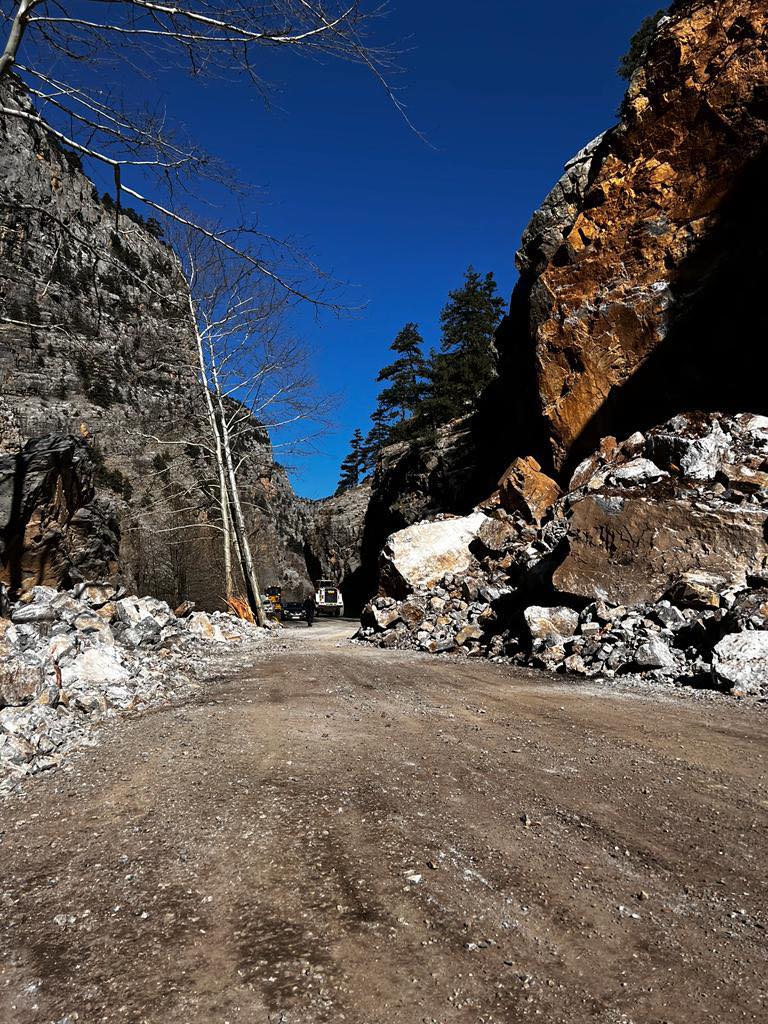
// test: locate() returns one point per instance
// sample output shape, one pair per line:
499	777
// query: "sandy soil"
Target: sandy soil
342	834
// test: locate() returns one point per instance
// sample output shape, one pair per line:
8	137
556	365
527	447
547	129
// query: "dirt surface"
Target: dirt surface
343	834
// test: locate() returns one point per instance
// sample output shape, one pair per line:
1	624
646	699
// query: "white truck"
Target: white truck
328	599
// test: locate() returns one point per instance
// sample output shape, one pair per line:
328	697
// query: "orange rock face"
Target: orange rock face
525	489
640	291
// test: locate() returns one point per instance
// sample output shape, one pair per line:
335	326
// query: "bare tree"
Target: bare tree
258	395
78	38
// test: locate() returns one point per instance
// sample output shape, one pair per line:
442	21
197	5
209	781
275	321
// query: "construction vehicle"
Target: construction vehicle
274	606
328	598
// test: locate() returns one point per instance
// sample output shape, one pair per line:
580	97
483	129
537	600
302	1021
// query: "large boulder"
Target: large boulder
740	662
629	550
524	488
548	623
420	555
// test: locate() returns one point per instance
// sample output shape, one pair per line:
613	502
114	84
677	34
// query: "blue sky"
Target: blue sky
505	90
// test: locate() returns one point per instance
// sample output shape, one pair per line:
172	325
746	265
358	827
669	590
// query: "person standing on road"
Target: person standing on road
310	607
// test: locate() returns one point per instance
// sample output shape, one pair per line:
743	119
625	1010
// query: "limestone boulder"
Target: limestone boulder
545	623
740	663
420	555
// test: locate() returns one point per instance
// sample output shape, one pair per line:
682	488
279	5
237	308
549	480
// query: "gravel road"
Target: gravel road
338	834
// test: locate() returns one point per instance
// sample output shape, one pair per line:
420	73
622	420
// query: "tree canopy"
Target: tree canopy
425	391
352	467
638	44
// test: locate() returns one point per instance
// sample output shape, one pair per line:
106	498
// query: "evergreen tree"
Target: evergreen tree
406	376
638	45
399	401
466	362
353	465
378	437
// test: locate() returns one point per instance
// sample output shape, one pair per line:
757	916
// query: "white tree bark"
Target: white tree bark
226	518
238	519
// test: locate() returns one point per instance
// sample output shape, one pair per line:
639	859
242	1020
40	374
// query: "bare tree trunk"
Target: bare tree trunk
226	526
238	519
226	499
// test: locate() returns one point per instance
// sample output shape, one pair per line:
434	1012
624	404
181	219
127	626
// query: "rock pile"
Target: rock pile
655	561
67	659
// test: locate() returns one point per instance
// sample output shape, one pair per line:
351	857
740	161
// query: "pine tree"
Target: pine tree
638	45
353	465
466	362
406	376
378	437
398	403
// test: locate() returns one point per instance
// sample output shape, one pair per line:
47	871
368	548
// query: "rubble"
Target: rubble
642	567
70	659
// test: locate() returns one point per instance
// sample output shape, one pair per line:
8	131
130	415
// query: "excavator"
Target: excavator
274	607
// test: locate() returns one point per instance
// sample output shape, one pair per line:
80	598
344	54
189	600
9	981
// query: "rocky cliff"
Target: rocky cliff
640	291
54	531
95	341
333	539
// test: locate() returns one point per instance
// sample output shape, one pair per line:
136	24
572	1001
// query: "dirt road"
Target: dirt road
342	834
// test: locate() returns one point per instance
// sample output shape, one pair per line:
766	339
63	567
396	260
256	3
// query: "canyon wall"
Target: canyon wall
96	342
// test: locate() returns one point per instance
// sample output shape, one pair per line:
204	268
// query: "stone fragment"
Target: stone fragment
33	613
743	478
199	624
468	633
496	535
637	471
575	663
95	666
129	610
703	456
551	622
95	594
524	488
20	681
740	662
697	590
654	654
412	614
146	631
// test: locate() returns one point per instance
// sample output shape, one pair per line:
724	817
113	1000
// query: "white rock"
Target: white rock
654	653
740	661
703	456
96	666
199	624
129	610
420	555
637	471
551	622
